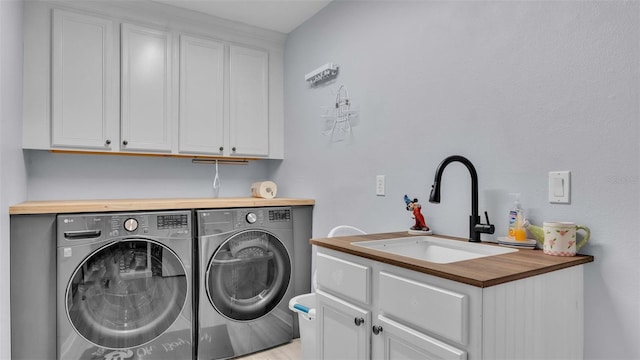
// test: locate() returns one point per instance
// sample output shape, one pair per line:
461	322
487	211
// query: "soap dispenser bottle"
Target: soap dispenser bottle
516	221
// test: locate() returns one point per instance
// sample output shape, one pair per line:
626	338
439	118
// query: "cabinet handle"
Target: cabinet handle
233	149
108	142
359	321
125	142
221	148
377	329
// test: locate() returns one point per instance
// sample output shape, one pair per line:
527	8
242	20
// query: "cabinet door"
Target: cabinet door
397	341
83	95
249	101
201	96
146	89
344	330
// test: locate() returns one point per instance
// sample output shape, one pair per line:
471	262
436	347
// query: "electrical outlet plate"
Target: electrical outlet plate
559	187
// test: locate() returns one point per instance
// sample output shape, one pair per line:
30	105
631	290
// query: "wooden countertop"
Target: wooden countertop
77	206
481	272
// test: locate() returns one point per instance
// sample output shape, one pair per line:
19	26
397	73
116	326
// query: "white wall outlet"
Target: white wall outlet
380	185
559	187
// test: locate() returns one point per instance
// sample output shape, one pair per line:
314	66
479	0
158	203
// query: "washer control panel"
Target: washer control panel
92	227
249	217
263	217
217	221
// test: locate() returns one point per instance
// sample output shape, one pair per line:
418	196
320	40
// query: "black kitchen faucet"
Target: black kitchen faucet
475	225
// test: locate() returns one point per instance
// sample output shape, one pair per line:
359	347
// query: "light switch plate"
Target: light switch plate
559	187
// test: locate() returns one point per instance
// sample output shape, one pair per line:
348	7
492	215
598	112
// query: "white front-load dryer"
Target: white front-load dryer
124	286
245	272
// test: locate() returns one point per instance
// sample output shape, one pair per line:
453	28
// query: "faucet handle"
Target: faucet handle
487	228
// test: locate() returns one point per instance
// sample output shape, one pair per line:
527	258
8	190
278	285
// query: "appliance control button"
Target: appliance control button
131	224
251	218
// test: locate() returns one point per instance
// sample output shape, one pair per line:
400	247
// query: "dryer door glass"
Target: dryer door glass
248	275
126	293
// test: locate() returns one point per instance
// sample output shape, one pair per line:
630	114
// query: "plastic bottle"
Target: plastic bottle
516	221
521	232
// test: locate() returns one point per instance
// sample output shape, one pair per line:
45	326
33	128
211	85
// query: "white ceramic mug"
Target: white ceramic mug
560	238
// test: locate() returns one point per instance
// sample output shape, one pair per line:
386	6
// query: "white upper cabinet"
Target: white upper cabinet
201	96
146	89
84	111
249	101
142	77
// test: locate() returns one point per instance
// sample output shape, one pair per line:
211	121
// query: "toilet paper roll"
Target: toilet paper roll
264	189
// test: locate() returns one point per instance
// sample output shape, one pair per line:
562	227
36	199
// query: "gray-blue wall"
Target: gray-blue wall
520	88
13	185
54	176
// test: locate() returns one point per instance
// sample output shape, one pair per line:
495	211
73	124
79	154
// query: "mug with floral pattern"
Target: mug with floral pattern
560	238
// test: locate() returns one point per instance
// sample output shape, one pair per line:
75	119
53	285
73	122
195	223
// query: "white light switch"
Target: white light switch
559	187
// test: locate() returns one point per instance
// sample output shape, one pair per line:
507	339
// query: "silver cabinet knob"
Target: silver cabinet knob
358	321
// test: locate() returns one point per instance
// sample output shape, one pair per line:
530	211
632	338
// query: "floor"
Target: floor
290	351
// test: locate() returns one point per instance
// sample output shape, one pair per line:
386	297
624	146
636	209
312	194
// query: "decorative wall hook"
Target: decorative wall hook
339	123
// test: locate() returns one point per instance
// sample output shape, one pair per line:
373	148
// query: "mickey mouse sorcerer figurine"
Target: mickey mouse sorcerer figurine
420	226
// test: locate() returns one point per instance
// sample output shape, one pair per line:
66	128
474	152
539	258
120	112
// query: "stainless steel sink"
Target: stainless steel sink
432	249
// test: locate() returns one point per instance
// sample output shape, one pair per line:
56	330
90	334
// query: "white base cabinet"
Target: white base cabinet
372	310
344	329
142	77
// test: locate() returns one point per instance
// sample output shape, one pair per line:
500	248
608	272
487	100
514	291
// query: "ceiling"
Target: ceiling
278	15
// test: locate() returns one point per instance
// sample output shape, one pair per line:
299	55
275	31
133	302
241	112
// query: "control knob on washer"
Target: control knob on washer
251	218
131	224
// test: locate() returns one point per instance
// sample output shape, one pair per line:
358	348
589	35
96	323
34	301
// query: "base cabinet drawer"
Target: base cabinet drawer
344	278
402	342
435	309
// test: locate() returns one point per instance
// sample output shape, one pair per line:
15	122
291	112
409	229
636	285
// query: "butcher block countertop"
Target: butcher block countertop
481	272
80	206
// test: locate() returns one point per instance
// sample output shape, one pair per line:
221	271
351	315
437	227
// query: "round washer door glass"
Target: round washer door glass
248	275
126	294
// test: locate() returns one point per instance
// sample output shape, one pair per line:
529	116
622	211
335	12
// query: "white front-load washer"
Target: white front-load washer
245	271
124	285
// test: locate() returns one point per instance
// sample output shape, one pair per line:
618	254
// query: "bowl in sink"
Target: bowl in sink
433	249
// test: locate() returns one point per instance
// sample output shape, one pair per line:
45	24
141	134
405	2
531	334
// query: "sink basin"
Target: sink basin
432	249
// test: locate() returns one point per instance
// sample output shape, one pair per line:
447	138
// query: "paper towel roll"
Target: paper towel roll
264	189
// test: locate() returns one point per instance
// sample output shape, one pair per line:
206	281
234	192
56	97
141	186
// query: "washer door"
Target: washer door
126	294
248	275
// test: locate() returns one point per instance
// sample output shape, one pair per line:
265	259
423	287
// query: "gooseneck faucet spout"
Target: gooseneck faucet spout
475	225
